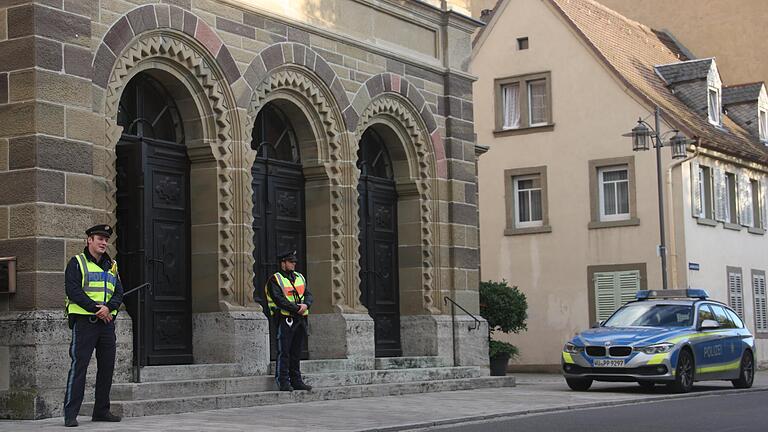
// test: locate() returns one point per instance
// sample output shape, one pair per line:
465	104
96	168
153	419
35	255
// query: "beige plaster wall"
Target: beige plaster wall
734	31
590	112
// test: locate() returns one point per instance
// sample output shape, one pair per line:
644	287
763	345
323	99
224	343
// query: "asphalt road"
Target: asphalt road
723	412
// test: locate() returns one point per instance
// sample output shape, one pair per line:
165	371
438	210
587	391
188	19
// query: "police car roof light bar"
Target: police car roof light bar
682	293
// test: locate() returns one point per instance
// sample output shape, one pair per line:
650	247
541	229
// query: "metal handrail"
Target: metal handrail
474	326
139	290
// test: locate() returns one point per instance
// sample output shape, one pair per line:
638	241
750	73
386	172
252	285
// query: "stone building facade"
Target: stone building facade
213	133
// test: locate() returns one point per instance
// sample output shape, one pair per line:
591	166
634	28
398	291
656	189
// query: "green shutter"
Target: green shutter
614	289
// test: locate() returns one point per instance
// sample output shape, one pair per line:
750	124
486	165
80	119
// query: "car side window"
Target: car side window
721	317
735	318
705	314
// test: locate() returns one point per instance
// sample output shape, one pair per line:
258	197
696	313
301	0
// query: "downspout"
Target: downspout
671	206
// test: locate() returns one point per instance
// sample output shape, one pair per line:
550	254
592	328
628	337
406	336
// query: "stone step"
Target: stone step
189	372
336	365
252	384
175	405
412	362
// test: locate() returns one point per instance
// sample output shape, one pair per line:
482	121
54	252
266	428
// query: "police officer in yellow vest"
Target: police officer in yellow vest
94	293
289	301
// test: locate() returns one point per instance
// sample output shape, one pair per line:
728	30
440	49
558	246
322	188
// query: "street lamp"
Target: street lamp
641	139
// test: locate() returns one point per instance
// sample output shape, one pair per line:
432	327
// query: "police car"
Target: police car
672	337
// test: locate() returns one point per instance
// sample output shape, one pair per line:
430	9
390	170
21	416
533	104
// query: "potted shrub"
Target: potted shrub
506	309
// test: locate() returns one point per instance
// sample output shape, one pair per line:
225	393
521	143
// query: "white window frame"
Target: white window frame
762	124
516	189
714	109
601	193
706	198
528	84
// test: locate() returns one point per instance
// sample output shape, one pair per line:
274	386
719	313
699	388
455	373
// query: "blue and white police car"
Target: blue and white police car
672	337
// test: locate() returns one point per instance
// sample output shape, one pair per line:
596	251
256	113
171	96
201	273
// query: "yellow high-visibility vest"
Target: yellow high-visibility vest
291	291
99	285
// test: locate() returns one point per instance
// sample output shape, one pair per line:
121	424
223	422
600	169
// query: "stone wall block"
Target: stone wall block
80	124
255	73
296	35
272	57
375	86
89	8
190	23
51	153
142	19
458	86
347	336
3	88
422	73
3	223
299	53
163	14
77	61
3	24
227	64
232	337
51	220
466	258
32	185
460	129
21	21
230	26
464	214
15	54
177	18
102	65
21	85
63	89
63	26
118	37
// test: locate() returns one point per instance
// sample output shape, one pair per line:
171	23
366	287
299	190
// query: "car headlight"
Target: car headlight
656	348
573	349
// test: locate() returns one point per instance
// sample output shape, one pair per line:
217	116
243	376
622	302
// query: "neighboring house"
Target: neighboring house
569	213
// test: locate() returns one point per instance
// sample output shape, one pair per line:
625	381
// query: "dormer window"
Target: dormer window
763	125
713	97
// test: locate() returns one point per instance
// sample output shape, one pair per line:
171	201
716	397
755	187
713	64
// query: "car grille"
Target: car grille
596	351
620	351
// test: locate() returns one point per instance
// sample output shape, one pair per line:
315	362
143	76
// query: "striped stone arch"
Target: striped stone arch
385	99
168	38
295	72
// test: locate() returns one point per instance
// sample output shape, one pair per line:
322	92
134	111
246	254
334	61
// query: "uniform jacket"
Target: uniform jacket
73	284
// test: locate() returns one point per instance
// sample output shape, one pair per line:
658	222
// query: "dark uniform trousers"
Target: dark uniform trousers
290	341
86	336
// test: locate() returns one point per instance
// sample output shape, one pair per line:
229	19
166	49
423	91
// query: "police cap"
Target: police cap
287	256
104	230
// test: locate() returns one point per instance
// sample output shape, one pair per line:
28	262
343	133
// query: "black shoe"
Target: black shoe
71	422
301	386
108	417
284	387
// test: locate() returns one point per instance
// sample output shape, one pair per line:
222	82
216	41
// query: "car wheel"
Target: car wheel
684	373
747	374
647	385
579	384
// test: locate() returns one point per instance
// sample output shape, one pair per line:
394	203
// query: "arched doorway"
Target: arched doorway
278	199
379	290
154	221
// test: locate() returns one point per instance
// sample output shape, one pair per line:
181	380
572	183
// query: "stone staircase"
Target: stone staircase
187	388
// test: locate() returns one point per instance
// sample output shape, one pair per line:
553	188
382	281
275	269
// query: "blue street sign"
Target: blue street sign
693	266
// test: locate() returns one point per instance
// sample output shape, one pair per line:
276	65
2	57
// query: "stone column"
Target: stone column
49	185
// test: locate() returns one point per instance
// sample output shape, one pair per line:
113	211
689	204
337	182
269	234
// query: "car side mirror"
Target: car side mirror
598	324
708	324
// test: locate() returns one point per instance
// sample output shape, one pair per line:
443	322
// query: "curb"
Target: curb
563	408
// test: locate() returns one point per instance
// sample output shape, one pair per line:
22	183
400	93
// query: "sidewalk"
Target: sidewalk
535	393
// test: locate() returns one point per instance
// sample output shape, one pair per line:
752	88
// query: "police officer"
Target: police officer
94	293
289	300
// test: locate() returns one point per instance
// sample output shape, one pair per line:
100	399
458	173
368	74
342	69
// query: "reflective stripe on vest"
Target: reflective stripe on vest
98	285
291	292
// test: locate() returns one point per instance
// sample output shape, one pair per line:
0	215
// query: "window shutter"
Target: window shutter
721	203
745	201
614	289
696	208
605	295
735	297
761	302
629	284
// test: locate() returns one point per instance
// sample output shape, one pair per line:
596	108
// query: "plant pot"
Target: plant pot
499	365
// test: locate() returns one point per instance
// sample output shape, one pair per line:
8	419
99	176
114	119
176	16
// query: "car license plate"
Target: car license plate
609	363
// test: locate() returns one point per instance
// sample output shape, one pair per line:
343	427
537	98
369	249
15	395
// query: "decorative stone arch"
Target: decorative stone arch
415	164
171	42
301	82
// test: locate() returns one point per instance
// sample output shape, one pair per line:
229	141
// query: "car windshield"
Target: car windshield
651	315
